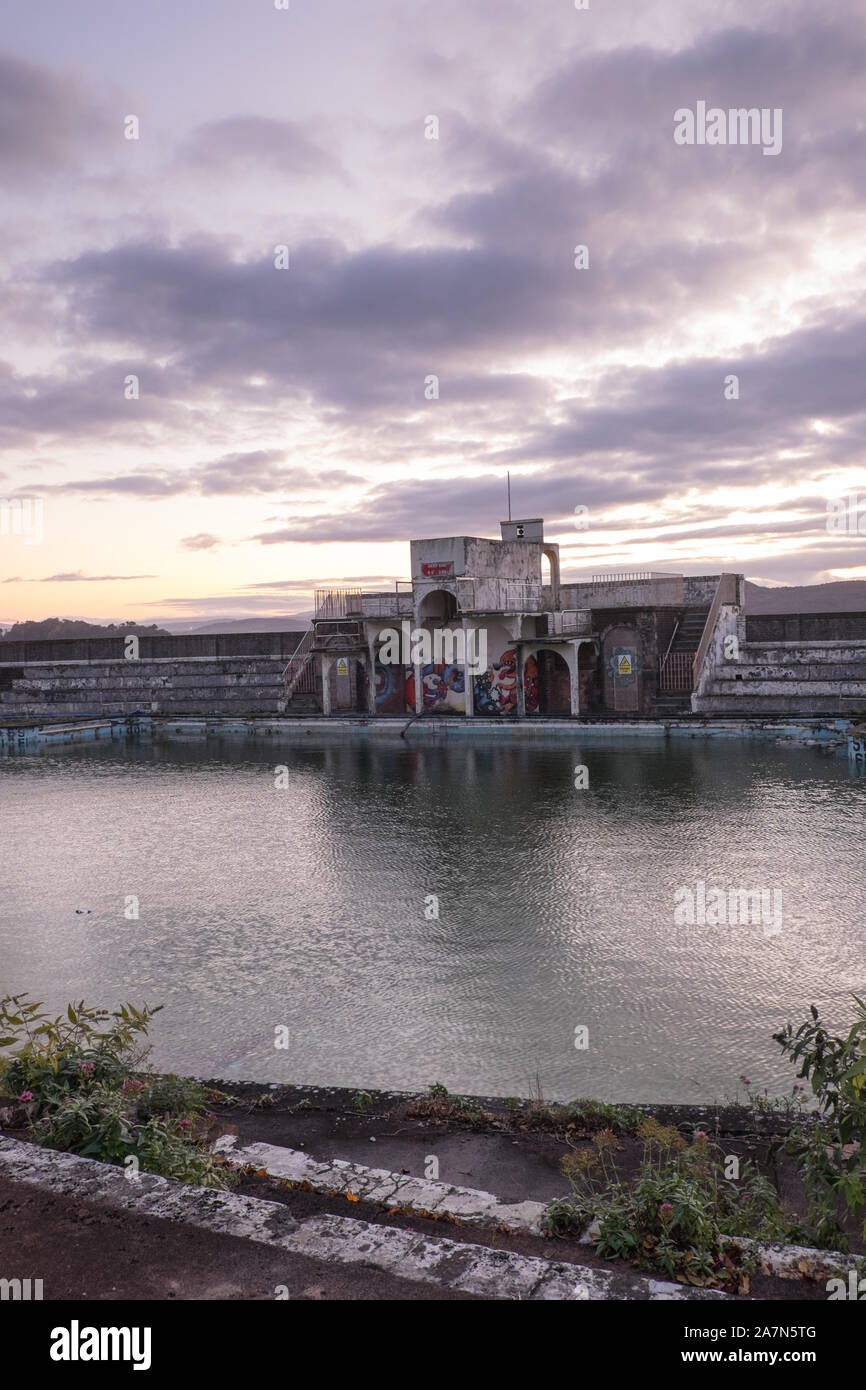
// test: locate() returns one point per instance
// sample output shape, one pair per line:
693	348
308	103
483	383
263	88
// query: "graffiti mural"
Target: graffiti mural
390	689
531	685
496	689
443	687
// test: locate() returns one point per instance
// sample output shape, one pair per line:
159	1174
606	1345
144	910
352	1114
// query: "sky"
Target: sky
329	295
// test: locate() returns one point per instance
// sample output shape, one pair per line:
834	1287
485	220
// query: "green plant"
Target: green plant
675	1216
95	1124
160	1148
595	1114
173	1095
80	1077
514	1102
53	1056
830	1156
362	1101
438	1091
465	1106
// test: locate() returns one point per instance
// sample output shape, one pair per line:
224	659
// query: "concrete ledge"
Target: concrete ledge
418	1195
471	1206
489	1273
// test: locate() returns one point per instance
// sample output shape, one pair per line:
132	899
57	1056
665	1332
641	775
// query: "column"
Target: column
521	688
419	693
574	665
468	681
371	675
326	688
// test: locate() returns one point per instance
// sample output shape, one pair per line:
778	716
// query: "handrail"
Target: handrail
670	644
302	649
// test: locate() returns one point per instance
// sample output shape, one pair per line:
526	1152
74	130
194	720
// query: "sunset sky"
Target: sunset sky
282	436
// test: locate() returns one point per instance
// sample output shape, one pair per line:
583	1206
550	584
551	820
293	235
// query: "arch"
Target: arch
554	682
551	554
438	606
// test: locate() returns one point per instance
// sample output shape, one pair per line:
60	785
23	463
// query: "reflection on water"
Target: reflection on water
305	907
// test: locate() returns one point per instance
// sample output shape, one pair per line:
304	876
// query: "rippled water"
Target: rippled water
305	907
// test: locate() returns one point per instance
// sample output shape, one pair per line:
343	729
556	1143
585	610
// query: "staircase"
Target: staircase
690	629
673	696
299	677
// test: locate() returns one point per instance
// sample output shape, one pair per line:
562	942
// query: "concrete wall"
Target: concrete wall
194	684
826	677
805	627
231	644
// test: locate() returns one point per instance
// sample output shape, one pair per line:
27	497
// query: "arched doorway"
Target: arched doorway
438	607
554	683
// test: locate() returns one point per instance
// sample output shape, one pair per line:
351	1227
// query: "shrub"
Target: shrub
77	1072
675	1216
54	1056
830	1156
173	1095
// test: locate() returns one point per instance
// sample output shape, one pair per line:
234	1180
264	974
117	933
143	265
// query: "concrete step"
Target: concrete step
439	1262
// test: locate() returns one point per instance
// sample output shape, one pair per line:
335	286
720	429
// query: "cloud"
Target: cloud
79	577
47	124
256	471
240	145
203	541
601	388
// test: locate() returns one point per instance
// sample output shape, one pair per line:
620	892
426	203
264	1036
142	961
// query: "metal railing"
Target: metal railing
676	671
299	677
623	577
337	603
396	605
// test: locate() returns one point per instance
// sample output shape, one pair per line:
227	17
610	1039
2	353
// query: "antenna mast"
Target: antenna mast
508	475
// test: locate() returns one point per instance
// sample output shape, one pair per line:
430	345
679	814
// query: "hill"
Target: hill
839	596
53	628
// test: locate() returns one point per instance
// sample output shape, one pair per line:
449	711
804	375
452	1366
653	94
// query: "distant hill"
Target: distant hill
53	628
292	622
839	596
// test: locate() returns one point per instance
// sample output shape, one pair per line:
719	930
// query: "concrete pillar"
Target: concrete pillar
419	693
326	688
371	675
573	667
521	688
468	680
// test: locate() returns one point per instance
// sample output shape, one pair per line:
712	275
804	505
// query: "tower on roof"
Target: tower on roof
532	530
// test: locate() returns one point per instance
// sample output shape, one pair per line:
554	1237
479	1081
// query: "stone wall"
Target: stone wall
802	677
221	644
806	627
90	677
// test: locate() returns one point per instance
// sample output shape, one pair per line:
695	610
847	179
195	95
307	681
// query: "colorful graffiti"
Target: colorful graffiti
390	689
531	687
496	688
443	687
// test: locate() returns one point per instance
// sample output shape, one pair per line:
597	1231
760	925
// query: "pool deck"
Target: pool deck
823	730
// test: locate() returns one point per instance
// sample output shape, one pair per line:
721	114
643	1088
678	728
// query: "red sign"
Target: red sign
445	568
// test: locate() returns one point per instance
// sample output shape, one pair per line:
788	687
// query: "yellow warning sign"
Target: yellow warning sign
624	667
342	667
